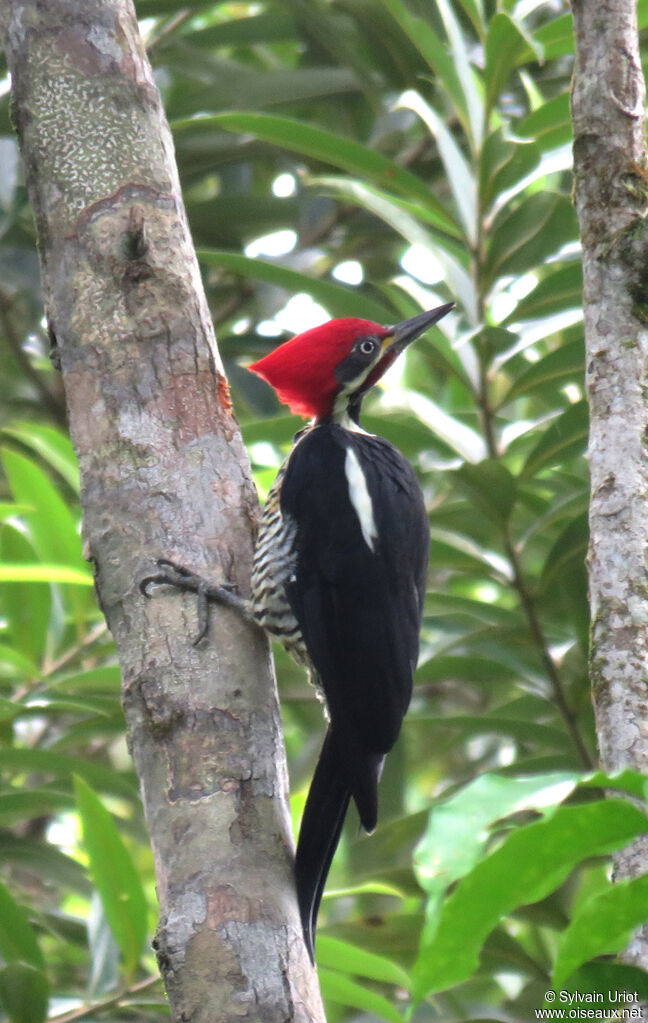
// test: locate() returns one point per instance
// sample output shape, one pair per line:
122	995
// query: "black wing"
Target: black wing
359	609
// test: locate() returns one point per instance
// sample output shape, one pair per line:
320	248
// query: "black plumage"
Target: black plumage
358	605
339	572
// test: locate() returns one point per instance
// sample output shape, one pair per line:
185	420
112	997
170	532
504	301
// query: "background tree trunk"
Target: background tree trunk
164	473
611	192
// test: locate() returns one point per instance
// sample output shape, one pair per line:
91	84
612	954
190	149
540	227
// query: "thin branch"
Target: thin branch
91	637
524	593
551	669
119	1000
55	406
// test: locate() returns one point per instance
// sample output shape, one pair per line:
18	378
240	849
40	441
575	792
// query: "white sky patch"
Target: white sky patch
422	264
468	444
537	330
277	243
502	305
241	326
426	299
523	286
301	313
506	753
284	185
349	272
65	832
573	392
264	453
506	300
268	328
515	430
147	27
554	162
511	983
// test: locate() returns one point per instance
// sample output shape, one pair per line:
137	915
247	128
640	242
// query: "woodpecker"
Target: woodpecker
339	572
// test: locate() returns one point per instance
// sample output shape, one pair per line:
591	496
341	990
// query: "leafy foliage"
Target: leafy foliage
339	158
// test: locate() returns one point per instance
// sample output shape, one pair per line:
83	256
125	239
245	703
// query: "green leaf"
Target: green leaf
409	218
464	668
603	926
457	830
45	861
40	573
32	760
491	486
337	988
10	509
605	978
260	28
536	229
559	290
24	993
27	604
104	951
115	876
324	146
17	938
420	32
337	299
54	529
565	438
104	677
475	11
549	125
555	39
347	958
565	364
503	164
622	781
455	551
458	172
459	45
14	663
402	216
491	724
531	862
461	439
567	556
52	445
504	43
19	806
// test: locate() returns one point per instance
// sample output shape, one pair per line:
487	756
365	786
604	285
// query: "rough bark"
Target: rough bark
611	194
164	473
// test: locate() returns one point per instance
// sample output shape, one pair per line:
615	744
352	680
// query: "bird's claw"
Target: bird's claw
172	574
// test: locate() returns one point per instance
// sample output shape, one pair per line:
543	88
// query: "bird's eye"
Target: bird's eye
367	347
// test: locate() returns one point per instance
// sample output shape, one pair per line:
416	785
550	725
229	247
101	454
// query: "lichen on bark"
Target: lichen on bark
164	473
611	197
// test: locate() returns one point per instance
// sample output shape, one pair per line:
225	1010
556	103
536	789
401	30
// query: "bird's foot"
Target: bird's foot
172	574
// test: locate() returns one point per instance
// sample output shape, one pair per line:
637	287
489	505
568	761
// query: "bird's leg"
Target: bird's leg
172	574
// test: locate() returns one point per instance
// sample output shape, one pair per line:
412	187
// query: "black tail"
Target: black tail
319	834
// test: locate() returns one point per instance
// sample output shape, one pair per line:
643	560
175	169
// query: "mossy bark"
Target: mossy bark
164	473
611	195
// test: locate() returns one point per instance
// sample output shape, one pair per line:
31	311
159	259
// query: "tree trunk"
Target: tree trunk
611	194
164	473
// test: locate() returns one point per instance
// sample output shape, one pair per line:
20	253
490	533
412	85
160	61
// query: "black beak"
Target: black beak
404	333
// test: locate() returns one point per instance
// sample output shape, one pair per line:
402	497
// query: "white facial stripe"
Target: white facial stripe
360	497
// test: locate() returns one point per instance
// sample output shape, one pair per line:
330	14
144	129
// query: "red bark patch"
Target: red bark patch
224	395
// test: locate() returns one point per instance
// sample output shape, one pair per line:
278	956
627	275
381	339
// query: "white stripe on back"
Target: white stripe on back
360	497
